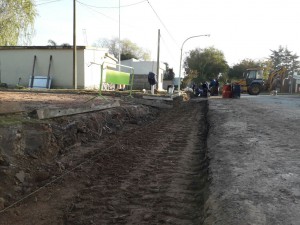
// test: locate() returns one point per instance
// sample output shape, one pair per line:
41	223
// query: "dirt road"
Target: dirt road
254	151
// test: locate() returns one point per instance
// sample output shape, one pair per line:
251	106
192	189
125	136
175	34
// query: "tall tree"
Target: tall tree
16	19
128	48
284	57
205	64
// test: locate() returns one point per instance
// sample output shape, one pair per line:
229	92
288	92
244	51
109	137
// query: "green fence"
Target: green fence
117	77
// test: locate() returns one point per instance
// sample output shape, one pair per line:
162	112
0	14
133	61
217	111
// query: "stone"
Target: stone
21	176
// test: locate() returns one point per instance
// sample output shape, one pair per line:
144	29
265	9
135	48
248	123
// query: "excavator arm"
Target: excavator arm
275	78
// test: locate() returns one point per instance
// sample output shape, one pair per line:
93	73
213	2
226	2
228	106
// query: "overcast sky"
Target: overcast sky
239	28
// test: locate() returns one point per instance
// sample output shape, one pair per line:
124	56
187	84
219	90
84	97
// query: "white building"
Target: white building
17	65
141	71
297	82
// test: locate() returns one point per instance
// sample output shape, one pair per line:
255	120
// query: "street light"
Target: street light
181	57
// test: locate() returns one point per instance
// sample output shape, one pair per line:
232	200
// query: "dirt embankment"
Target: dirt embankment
30	149
132	165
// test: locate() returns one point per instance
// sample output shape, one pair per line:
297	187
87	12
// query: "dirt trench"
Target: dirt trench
148	167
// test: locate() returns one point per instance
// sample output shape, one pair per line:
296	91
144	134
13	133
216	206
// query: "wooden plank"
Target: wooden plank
58	112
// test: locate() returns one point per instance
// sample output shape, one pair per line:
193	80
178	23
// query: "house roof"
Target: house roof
39	47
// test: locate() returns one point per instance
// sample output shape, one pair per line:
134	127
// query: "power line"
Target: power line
168	49
44	3
163	23
112	7
92	8
113	19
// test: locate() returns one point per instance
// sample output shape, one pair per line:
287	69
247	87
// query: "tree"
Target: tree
53	43
169	73
128	49
16	20
284	57
236	72
205	64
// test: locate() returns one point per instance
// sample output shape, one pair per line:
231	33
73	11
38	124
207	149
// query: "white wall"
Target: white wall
93	71
144	67
17	62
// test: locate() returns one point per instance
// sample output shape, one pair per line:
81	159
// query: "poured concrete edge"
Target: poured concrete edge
58	112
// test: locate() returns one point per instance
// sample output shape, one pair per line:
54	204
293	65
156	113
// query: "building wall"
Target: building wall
142	68
16	63
297	82
92	68
140	82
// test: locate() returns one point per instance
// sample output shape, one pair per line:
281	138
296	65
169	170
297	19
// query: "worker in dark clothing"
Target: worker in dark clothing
212	87
204	89
194	87
198	91
152	81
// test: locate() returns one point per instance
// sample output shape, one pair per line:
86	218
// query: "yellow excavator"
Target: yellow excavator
253	82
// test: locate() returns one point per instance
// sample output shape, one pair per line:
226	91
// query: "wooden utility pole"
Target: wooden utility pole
74	47
119	35
157	69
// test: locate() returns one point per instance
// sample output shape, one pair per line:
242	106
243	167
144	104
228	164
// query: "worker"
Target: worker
204	89
213	87
198	91
152	81
194	87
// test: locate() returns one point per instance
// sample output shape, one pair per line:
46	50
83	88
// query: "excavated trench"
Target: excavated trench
128	165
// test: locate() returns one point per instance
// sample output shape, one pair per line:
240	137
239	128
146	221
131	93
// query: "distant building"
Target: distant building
296	78
17	65
141	71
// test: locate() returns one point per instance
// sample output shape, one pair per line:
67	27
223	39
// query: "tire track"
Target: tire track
166	184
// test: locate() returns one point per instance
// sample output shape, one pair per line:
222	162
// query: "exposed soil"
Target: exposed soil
132	165
216	161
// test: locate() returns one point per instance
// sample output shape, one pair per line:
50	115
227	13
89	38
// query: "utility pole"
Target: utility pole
119	35
74	47
121	86
157	69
